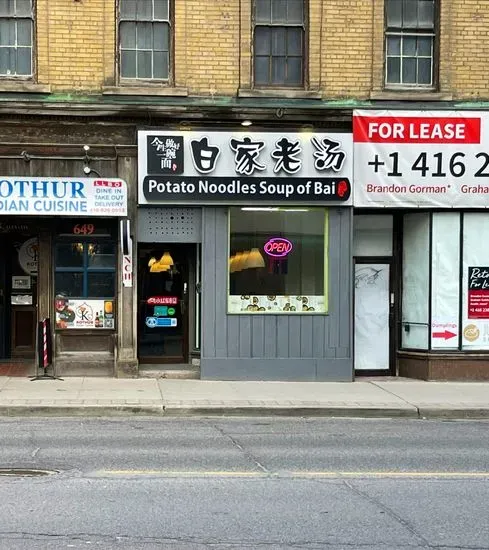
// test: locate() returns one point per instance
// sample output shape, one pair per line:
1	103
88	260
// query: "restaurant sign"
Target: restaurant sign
243	167
421	159
46	196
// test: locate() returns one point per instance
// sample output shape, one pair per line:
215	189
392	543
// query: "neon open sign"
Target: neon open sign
278	247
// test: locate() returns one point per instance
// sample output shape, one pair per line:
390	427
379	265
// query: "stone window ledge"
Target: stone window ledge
145	90
279	93
410	95
22	86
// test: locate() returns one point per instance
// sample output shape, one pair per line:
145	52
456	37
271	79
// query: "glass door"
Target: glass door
163	279
373	314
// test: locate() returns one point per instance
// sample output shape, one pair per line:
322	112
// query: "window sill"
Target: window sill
24	86
411	95
279	93
145	90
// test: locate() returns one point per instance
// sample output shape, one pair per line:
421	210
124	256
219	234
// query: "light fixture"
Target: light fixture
254	259
166	259
246	123
236	264
151	261
157	267
259	209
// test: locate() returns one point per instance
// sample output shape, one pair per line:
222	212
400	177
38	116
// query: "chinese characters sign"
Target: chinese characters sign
62	196
225	167
421	159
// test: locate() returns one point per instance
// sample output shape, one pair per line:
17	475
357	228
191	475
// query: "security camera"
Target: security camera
86	148
87	170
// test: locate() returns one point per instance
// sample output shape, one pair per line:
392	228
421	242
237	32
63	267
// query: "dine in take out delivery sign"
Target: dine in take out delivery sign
421	159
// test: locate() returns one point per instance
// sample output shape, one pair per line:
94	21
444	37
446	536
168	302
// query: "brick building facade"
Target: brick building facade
78	73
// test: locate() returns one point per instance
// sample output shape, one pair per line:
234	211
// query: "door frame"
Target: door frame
388	260
189	306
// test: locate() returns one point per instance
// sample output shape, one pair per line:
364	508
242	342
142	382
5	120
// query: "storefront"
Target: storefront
244	253
421	224
59	259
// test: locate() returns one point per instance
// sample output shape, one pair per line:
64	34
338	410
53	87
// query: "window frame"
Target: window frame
146	81
32	19
305	49
325	210
416	32
85	269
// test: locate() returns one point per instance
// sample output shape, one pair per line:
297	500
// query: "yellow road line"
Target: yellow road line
292	474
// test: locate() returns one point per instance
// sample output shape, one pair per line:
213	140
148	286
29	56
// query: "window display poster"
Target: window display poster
276	304
84	313
478	293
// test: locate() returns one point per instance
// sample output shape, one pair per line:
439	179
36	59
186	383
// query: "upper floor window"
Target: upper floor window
410	42
144	39
278	42
16	26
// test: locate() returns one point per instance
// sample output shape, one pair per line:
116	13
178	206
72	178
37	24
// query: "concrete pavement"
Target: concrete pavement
376	397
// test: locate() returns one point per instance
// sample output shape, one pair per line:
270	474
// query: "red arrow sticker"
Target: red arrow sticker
446	334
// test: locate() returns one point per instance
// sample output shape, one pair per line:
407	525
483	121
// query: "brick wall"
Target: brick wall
212	46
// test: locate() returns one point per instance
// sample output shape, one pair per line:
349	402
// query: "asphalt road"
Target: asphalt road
256	483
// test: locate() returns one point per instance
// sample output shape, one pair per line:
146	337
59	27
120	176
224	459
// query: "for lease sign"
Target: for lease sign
421	159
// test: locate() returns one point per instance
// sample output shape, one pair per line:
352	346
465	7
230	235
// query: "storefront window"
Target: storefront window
85	269
415	281
445	281
278	260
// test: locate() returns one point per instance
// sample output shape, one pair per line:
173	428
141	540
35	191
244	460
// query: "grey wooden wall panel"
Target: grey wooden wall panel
233	329
220	260
275	347
345	270
245	336
282	335
295	322
320	335
270	336
307	324
334	256
258	336
209	321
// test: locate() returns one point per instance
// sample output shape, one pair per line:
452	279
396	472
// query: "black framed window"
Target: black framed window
85	268
278	260
16	38
410	42
279	42
144	39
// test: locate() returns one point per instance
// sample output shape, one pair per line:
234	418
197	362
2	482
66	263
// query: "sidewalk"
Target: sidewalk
379	397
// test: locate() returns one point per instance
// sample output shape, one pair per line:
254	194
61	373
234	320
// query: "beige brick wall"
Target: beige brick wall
467	60
76	48
346	48
74	38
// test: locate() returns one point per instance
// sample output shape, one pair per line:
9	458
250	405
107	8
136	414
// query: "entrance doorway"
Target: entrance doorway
18	296
374	310
164	278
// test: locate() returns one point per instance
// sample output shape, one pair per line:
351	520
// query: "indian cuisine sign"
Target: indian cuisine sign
46	196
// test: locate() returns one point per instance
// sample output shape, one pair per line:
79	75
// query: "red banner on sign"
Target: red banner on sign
389	129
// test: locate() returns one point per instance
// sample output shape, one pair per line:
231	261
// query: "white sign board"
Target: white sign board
421	159
244	167
127	271
45	196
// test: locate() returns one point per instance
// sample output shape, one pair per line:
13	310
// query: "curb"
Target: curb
460	414
161	410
